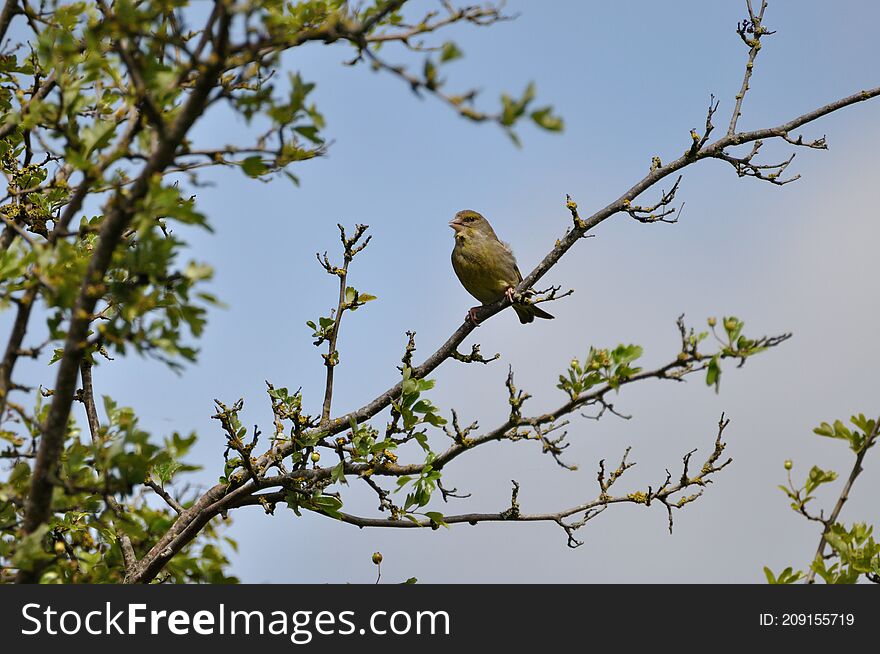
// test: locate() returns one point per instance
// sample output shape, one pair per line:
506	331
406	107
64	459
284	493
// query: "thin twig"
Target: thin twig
165	495
844	496
88	399
754	26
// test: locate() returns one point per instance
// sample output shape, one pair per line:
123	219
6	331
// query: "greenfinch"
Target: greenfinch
485	266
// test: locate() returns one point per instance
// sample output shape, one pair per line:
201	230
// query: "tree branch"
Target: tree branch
165	495
13	346
476	15
243	487
190	522
88	400
844	496
10	10
590	509
47	85
223	497
117	216
754	26
351	247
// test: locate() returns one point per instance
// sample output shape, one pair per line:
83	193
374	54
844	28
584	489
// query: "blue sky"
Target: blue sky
631	79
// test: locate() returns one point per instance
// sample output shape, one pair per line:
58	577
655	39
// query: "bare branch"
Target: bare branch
474	356
13	346
460	103
129	559
165	495
657	212
750	31
10	10
767	172
88	399
481	16
667	494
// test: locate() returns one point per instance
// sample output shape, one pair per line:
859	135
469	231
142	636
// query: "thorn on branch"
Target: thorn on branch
447	493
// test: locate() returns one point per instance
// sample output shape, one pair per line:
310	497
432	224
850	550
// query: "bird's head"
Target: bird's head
470	222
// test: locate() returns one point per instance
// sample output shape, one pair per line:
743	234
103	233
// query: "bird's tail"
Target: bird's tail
528	312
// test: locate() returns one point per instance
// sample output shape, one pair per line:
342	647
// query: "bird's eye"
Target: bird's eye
469	219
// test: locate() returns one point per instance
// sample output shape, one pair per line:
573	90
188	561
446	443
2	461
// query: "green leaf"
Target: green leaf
437	518
338	473
713	373
311	132
328	504
254	166
422	439
434	419
545	119
30	550
836	541
430	74
165	471
817	477
450	52
98	135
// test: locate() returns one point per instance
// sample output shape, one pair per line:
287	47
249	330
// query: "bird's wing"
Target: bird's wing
509	252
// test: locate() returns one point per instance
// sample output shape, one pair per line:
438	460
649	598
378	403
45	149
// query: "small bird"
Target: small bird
485	266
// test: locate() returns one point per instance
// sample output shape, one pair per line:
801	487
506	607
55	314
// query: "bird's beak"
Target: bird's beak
457	226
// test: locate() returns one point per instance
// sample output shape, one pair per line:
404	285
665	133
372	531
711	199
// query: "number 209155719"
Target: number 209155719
807	619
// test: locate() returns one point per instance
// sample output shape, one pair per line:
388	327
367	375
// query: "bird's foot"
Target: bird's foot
472	316
509	293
